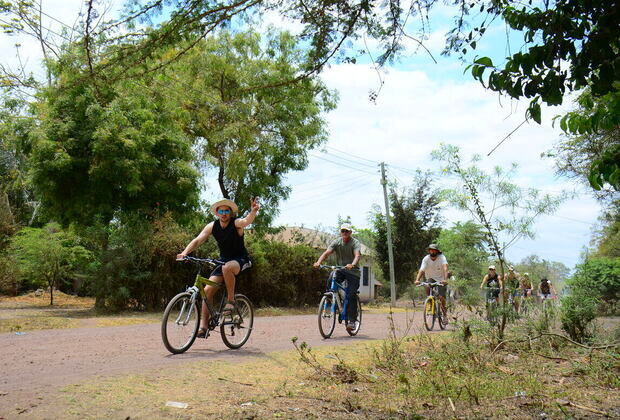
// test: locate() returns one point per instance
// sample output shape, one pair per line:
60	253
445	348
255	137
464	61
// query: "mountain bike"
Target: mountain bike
181	320
334	305
491	304
432	307
526	301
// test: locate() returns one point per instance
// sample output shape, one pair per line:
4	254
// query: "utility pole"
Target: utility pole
388	221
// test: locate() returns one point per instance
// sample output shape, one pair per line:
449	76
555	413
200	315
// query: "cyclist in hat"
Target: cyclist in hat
435	267
348	252
228	233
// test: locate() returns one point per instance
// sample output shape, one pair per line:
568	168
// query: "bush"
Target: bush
282	274
577	313
600	278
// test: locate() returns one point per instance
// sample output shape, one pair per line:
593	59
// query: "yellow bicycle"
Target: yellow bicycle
433	309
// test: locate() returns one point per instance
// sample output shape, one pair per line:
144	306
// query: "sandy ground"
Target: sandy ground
35	365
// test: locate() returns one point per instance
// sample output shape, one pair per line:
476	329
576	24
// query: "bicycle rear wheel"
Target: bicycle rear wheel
429	314
180	323
328	312
236	327
358	319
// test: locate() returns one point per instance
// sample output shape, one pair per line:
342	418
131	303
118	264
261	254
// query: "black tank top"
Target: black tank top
492	281
229	242
544	287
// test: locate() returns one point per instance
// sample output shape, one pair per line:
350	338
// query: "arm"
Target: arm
484	280
323	256
249	219
195	243
445	273
356	259
419	276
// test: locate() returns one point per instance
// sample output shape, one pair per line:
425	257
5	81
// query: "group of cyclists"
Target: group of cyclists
228	231
518	286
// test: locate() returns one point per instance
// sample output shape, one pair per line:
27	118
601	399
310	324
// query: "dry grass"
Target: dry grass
61	301
421	377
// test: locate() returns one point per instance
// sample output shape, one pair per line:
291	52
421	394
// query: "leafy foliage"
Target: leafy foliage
466	248
537	267
101	153
48	256
608	238
250	139
415	224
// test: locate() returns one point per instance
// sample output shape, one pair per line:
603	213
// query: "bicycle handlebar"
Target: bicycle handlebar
425	283
333	267
195	260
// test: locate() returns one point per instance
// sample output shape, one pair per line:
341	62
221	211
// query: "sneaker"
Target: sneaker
351	326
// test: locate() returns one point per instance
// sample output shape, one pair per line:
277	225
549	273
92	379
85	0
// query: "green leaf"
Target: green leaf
484	61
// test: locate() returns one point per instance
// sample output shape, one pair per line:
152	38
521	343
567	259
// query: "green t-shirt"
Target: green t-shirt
345	253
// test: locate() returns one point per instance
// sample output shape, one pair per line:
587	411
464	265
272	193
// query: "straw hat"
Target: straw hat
224	202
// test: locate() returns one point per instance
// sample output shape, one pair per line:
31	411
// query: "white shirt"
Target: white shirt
434	269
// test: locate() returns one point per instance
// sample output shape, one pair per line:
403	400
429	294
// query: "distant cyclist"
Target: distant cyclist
512	282
526	285
545	289
435	267
493	282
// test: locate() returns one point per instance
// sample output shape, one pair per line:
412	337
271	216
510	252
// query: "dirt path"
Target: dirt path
38	363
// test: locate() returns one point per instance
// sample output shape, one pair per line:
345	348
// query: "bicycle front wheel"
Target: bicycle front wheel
429	314
180	323
441	315
236	327
358	319
327	316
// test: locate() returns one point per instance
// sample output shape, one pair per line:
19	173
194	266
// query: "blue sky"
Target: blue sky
420	105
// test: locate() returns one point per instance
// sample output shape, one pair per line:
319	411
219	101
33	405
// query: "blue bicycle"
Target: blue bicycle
334	306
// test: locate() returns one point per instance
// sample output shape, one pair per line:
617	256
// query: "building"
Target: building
319	241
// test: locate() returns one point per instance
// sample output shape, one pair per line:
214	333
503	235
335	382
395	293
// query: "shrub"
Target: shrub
577	313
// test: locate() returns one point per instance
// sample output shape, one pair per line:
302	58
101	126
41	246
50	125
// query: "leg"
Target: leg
209	291
353	283
230	270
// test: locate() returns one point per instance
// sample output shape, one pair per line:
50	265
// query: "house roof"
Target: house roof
311	237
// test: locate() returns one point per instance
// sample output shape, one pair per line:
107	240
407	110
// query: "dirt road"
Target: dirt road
36	364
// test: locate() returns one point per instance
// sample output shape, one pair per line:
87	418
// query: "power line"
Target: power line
352	155
342	164
349	160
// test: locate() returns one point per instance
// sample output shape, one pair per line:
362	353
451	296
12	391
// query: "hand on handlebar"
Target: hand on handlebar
349	266
180	257
316	264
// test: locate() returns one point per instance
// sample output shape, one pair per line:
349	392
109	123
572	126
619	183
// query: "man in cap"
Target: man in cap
493	282
228	233
512	282
348	253
435	267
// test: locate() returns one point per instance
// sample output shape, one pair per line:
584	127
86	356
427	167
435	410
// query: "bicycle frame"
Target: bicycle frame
334	288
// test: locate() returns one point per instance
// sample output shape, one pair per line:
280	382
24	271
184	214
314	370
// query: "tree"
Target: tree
48	256
505	211
607	240
415	224
250	139
101	152
592	142
539	268
466	249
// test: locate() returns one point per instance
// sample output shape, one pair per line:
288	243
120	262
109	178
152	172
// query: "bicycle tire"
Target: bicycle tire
358	320
171	330
327	317
442	316
429	314
240	321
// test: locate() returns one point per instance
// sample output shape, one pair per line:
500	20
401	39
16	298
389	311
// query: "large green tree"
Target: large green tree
248	140
539	268
101	151
416	223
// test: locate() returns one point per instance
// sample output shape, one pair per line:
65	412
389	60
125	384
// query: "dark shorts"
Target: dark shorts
492	293
441	290
244	263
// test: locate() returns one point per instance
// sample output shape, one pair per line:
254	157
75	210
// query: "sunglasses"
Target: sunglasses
222	212
344	230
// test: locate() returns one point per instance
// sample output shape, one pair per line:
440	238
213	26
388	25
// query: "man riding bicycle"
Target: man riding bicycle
228	233
512	282
493	282
545	289
348	253
435	267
